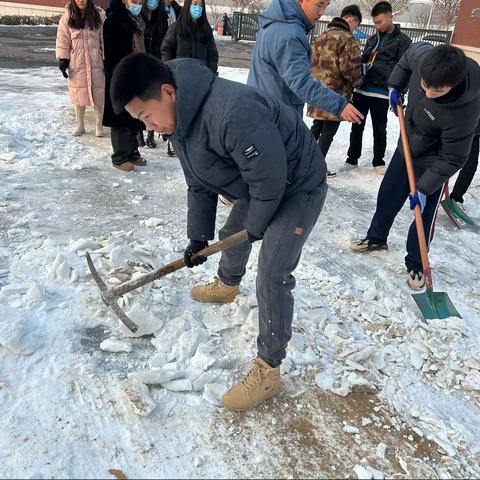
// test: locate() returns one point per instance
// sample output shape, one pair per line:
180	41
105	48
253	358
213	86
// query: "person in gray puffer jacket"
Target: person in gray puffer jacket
232	140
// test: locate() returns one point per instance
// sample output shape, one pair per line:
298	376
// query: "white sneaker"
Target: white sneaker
380	169
415	280
347	167
99	132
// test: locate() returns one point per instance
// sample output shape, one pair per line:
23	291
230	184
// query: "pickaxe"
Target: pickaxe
111	295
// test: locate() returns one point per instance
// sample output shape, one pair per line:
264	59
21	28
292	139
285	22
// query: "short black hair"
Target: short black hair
352	11
381	7
443	66
138	75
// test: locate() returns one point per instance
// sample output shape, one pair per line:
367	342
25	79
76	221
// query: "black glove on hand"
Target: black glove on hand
193	247
252	238
63	65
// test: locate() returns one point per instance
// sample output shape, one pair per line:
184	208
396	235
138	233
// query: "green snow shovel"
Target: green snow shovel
431	304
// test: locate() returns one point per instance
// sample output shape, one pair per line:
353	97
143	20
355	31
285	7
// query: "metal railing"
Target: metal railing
245	27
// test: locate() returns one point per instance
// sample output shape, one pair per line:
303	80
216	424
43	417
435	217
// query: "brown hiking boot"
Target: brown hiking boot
261	383
125	166
139	161
215	292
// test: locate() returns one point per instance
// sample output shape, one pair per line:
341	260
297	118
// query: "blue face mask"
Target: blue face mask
196	11
152	4
134	8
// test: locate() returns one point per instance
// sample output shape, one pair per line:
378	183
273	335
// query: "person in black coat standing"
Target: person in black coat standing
191	37
382	52
158	16
123	33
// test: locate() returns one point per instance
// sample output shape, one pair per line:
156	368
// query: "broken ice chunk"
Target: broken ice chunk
114	345
214	392
15	332
183	385
146	321
137	394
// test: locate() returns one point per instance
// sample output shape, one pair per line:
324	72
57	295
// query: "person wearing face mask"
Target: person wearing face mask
79	49
441	118
123	33
158	16
191	37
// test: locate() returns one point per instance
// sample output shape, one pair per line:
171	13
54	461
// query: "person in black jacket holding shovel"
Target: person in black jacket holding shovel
441	117
382	52
263	157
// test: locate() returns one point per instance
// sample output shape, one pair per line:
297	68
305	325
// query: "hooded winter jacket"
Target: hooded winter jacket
281	60
384	57
235	141
440	131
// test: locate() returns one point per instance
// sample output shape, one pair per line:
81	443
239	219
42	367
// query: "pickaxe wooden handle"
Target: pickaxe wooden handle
110	295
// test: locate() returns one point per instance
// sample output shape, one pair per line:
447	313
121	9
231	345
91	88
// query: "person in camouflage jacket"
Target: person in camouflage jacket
337	63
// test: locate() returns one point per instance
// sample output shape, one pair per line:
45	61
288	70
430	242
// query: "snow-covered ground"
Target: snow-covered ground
370	389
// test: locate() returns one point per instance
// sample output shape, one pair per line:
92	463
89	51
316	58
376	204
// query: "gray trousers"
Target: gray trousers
279	256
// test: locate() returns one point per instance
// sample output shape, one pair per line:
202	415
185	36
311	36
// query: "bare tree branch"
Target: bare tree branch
398	6
216	9
447	11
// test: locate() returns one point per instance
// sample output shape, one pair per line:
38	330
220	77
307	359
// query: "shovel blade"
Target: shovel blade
435	305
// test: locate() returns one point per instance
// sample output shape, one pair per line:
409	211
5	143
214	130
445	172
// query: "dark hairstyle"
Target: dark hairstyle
352	11
138	75
381	7
91	19
443	66
186	24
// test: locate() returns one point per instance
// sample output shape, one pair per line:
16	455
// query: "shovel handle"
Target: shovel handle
219	246
418	213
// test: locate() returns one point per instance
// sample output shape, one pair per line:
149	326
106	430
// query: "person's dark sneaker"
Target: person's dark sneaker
170	150
415	280
367	245
140	139
125	166
151	143
331	174
138	161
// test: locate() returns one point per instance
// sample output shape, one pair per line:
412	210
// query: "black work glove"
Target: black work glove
193	247
63	65
252	238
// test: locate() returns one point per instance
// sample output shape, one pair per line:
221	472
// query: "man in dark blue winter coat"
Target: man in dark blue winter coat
382	52
232	140
441	117
281	59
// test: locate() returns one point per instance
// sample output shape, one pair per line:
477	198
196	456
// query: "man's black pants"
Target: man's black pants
324	131
378	108
393	192
467	173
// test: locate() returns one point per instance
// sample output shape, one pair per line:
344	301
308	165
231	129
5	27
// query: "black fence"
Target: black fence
245	27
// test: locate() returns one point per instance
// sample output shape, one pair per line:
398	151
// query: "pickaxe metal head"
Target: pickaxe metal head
109	297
